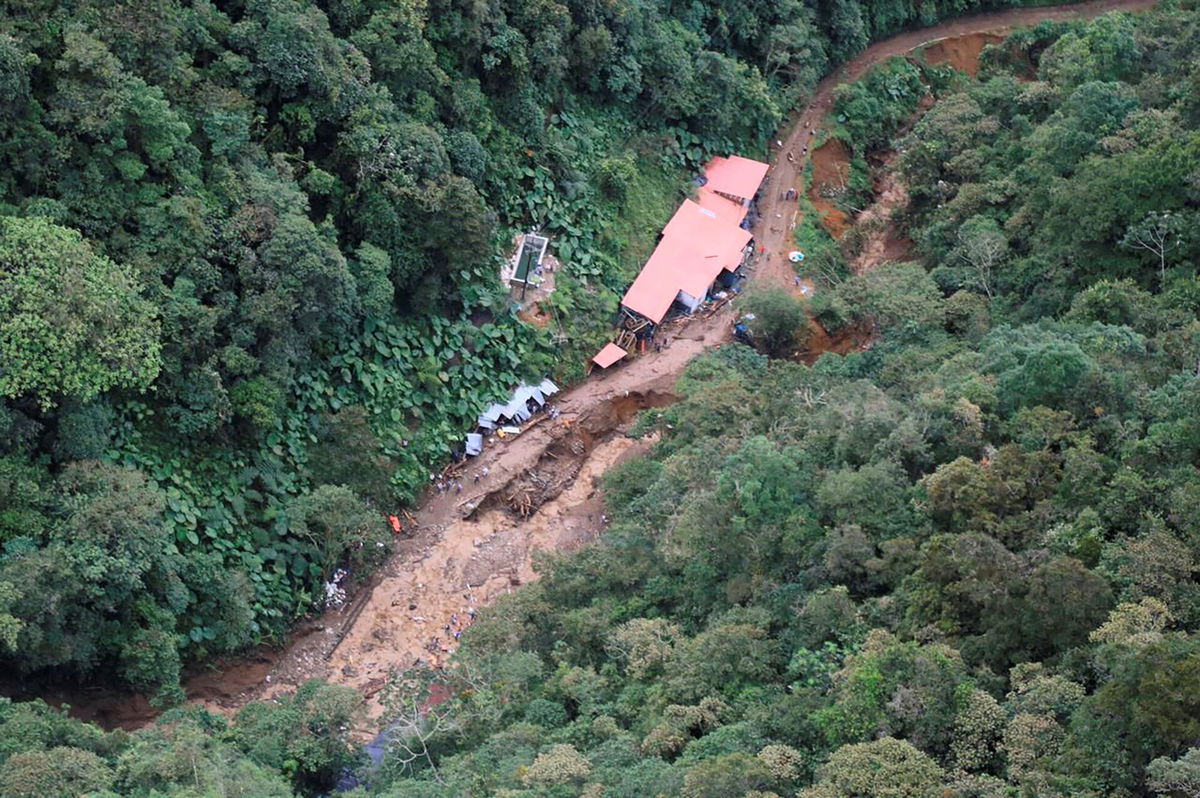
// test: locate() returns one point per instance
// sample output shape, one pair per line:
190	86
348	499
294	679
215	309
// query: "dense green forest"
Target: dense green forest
249	251
248	272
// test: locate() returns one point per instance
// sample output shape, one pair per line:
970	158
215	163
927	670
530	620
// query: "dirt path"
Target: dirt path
473	546
476	545
774	232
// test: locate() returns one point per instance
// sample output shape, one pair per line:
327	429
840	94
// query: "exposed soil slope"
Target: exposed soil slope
960	52
831	173
882	240
784	174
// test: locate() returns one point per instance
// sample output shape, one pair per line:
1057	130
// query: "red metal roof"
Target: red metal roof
610	354
719	249
726	209
735	175
701	239
691	219
689	258
654	289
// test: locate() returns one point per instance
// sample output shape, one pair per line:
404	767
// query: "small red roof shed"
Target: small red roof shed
610	354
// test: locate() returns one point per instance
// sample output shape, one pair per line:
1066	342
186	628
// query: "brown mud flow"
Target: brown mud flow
540	493
851	338
562	460
880	238
415	614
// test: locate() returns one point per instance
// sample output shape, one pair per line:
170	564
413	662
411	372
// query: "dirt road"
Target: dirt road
540	489
774	231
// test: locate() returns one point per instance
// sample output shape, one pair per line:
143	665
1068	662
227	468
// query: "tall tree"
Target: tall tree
72	322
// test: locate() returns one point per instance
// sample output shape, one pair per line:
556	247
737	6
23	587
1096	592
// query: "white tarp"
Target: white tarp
494	412
517	407
474	443
688	301
523	394
517	411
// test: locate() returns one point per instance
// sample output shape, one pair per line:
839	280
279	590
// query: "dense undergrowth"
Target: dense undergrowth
248	295
959	563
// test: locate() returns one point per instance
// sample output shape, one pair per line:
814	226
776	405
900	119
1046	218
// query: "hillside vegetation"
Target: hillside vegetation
248	272
961	562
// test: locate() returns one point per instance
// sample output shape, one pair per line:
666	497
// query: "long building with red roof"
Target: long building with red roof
701	240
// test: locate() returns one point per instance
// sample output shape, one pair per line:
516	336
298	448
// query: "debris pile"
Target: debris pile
335	593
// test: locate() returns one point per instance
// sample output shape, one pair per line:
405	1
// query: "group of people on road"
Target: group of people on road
459	621
791	154
791	194
445	485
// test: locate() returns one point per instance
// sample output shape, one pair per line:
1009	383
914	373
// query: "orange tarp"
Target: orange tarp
735	175
610	354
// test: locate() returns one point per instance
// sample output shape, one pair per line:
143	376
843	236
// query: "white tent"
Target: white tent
517	407
491	417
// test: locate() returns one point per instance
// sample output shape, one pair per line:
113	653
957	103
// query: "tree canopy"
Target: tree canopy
75	324
248	291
